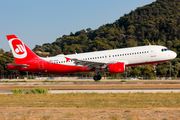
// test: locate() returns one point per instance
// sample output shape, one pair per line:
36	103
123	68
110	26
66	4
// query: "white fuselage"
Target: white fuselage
130	56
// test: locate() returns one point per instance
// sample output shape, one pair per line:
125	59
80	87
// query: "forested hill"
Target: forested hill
157	23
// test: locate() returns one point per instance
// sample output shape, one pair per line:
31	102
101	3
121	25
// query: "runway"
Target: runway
119	91
107	91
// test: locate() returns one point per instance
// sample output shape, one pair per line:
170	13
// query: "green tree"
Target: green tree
148	71
136	72
56	50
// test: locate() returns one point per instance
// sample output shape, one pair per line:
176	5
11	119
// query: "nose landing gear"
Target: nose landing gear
154	67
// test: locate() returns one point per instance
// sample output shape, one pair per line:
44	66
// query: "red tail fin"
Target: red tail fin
20	51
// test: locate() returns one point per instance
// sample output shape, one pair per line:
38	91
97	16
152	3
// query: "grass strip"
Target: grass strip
93	100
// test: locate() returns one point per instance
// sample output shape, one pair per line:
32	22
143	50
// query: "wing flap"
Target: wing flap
89	64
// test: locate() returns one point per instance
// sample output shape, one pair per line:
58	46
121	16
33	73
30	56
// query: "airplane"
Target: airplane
114	61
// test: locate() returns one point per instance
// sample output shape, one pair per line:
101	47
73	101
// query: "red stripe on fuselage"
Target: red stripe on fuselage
145	63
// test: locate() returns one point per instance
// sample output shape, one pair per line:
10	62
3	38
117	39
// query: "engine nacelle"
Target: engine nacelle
116	67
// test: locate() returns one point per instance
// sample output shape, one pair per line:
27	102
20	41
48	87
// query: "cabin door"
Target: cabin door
153	53
41	65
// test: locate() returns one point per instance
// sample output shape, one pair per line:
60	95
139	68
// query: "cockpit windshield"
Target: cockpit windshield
164	49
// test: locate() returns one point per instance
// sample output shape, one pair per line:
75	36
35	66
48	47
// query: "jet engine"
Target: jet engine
116	67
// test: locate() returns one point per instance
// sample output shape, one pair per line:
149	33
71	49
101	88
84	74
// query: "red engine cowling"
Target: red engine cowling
116	67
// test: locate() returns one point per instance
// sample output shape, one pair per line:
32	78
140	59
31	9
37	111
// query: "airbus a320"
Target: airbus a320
114	61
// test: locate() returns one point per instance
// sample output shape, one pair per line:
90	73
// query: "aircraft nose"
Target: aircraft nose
173	55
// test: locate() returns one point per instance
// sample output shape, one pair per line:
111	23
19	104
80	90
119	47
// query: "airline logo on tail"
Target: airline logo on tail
18	48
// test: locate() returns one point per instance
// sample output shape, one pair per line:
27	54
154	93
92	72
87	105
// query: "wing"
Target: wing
89	64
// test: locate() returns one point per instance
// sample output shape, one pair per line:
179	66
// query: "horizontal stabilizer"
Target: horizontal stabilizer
18	65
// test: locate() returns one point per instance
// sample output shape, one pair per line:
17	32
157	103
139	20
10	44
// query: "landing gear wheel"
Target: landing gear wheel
97	77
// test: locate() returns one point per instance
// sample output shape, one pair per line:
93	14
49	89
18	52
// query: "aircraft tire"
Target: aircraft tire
97	77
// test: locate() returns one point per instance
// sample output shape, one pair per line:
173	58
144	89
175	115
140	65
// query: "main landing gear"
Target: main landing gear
97	75
154	67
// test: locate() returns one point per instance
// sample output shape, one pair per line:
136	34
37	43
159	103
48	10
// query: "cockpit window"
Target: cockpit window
164	49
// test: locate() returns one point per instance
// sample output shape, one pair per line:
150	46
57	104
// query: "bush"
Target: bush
123	80
46	81
30	77
16	91
33	91
23	77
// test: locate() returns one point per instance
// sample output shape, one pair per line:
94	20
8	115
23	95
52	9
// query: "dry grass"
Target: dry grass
33	113
93	100
76	106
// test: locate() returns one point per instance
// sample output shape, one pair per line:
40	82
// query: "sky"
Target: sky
36	22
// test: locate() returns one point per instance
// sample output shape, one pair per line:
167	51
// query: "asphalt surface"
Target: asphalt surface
6	92
119	91
108	91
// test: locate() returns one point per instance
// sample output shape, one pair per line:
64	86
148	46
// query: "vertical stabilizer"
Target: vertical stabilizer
20	51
